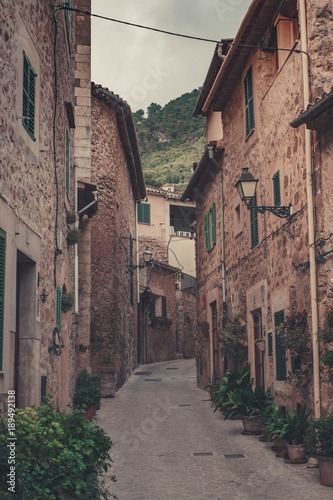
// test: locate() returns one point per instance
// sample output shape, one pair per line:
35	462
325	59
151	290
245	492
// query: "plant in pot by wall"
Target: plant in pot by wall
67	301
294	432
294	333
232	380
87	395
233	341
250	404
71	217
319	439
73	236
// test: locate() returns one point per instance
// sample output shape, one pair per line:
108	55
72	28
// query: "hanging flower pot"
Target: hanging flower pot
73	236
260	344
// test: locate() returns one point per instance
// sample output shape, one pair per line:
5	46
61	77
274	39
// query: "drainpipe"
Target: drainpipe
310	201
137	253
76	253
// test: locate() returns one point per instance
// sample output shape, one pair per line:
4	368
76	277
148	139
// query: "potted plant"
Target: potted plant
251	405
319	439
67	301
293	432
260	344
239	378
87	395
233	340
293	332
73	236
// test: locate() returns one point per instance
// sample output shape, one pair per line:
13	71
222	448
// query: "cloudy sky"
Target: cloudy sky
143	66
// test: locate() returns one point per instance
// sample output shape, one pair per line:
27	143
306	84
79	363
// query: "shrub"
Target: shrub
319	437
67	301
73	236
58	455
233	379
87	391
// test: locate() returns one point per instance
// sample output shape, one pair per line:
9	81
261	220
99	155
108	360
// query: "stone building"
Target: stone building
167	289
253	264
117	171
37	193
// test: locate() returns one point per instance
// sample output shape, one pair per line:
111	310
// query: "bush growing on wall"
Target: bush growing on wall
57	455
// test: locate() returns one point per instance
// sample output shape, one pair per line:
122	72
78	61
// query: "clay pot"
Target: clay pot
296	453
252	425
261	346
325	465
90	412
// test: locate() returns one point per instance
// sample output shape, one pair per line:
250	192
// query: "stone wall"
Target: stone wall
113	316
34	200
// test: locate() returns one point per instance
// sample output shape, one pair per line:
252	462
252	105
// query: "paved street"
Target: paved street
159	420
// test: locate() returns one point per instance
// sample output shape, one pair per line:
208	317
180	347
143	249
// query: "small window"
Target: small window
58	309
144	213
276	189
249	104
254	223
2	288
29	96
67	163
207	236
281	367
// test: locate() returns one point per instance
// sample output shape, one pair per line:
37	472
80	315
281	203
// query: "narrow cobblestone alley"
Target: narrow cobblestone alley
170	445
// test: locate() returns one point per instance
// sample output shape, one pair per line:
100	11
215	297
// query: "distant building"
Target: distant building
253	264
167	227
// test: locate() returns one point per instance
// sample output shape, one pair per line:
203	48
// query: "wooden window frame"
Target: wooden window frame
249	102
29	97
276	189
58	308
144	213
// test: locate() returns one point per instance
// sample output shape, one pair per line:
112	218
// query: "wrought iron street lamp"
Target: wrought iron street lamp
247	186
147	256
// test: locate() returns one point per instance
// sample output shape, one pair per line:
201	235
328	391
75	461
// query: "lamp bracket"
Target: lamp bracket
282	212
132	268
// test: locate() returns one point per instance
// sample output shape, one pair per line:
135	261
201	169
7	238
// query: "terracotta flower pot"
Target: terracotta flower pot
261	346
252	425
90	412
296	453
325	465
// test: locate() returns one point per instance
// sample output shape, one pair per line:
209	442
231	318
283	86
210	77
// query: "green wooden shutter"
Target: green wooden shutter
254	223
280	352
164	310
207	232
249	104
67	163
28	101
131	272
213	212
276	189
68	15
144	213
2	288
270	344
58	309
152	306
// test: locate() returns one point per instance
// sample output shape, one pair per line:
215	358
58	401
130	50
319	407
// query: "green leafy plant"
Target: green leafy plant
326	335
327	358
73	236
295	426
233	341
67	301
87	391
319	436
58	455
233	379
294	333
247	402
70	217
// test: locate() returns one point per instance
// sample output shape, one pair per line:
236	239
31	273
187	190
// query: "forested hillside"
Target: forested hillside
170	140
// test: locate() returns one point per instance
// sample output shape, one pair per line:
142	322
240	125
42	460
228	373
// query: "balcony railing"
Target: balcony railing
182	227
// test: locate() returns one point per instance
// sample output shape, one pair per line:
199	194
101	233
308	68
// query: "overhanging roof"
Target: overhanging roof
257	20
318	115
127	135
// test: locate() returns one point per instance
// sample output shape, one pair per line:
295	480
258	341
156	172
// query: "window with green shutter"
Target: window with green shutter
67	3
29	96
276	189
207	236
164	309
131	272
2	288
67	163
213	212
144	213
254	223
249	104
281	367
58	309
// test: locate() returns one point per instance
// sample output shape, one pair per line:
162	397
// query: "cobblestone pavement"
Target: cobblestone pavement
159	420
